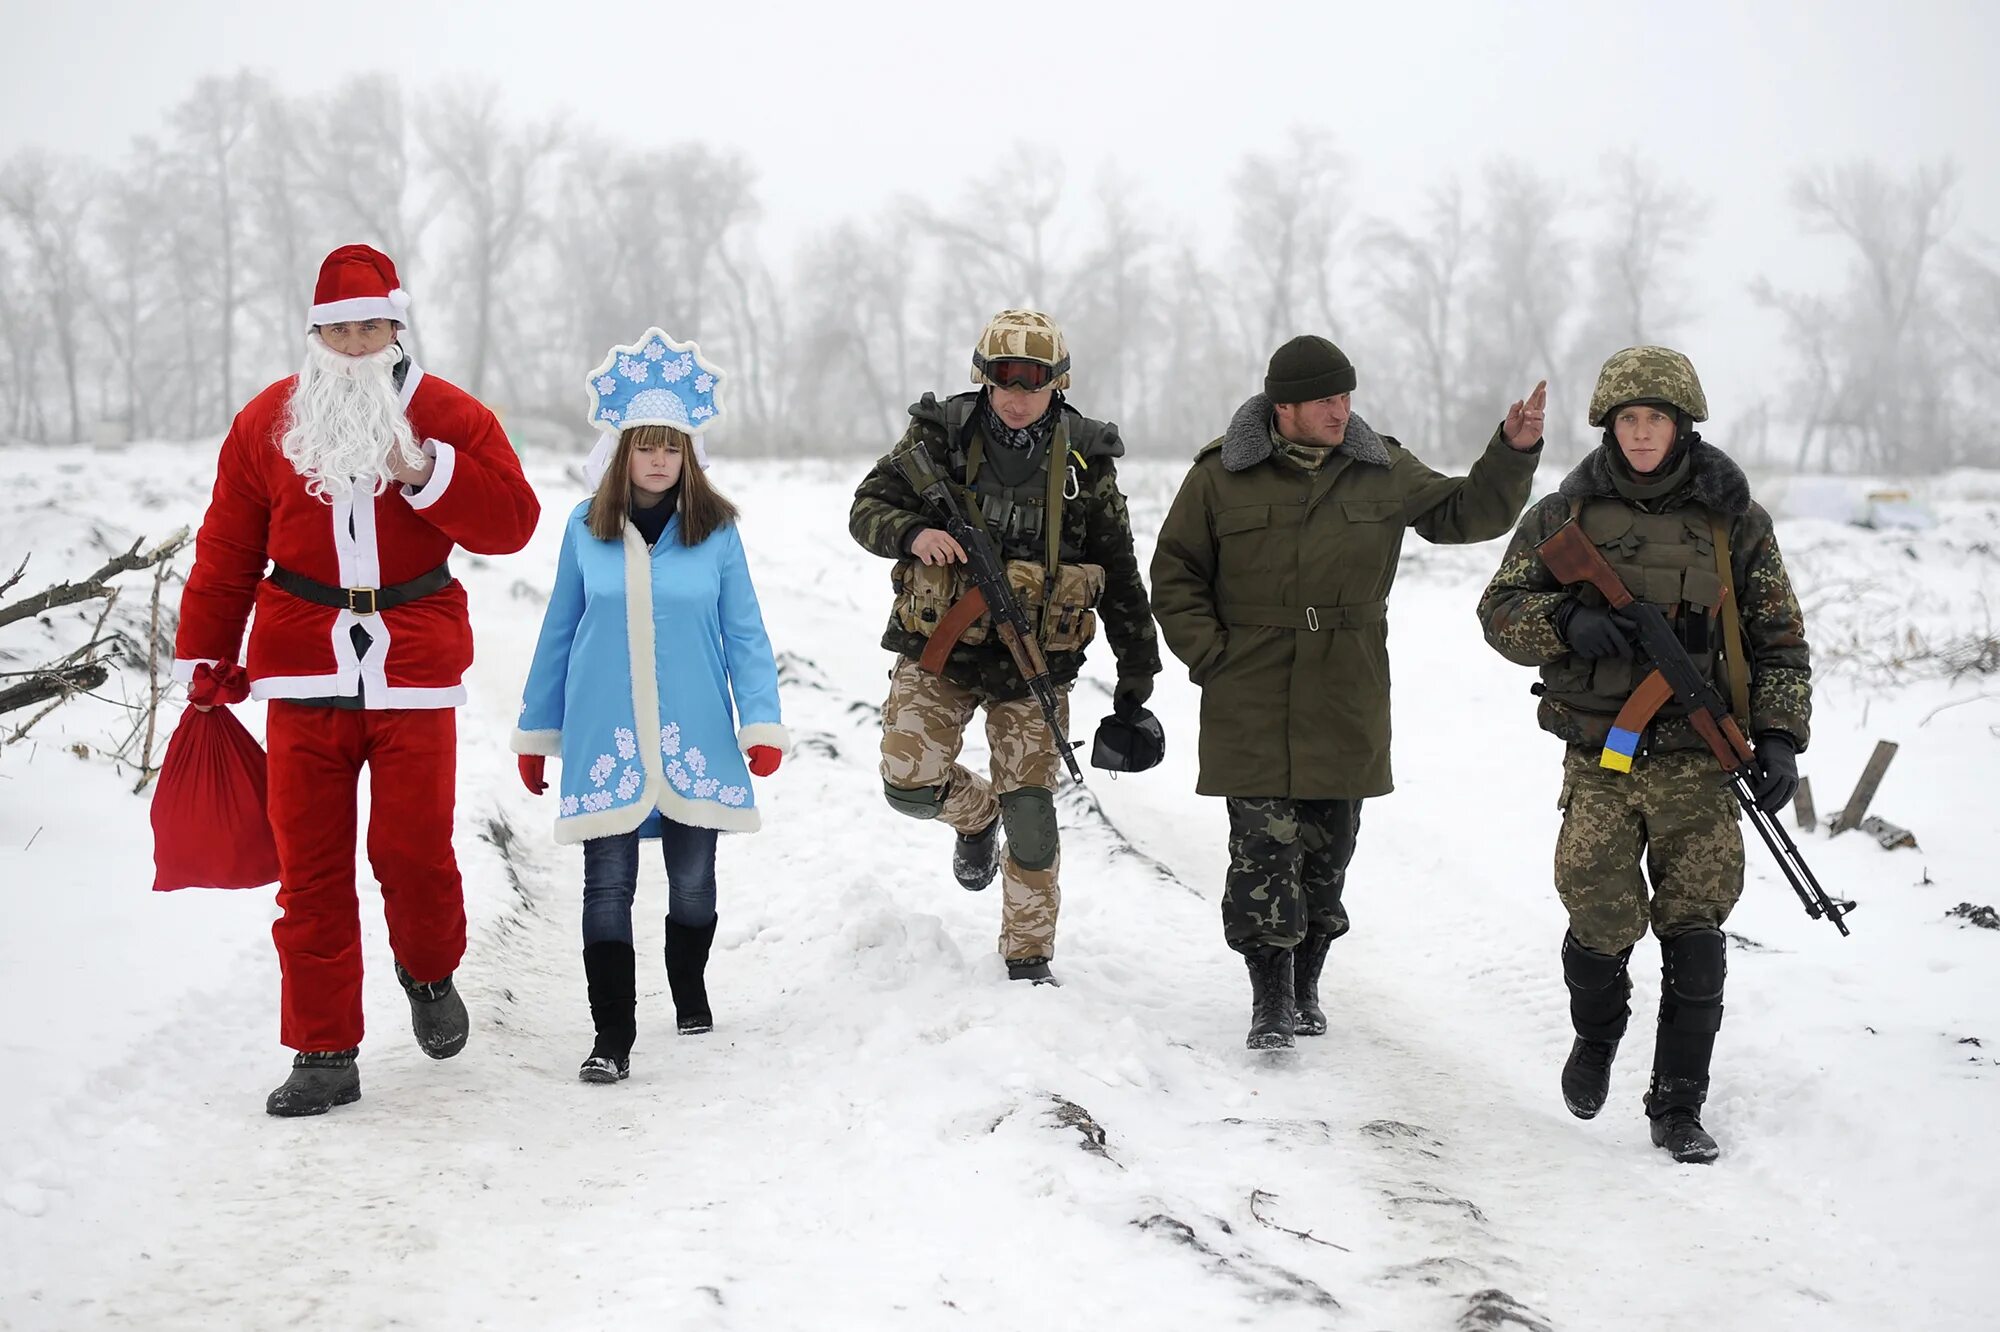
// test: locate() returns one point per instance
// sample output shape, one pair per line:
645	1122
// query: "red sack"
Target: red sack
210	826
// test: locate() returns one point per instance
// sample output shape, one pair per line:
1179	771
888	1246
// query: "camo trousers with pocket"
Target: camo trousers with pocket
923	730
1287	866
1675	813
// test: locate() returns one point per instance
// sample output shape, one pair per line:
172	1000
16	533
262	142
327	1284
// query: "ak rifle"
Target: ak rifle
1573	558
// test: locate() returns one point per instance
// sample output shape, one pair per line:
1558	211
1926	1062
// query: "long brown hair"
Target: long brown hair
702	508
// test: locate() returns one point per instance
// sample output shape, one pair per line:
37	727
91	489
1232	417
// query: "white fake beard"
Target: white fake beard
345	422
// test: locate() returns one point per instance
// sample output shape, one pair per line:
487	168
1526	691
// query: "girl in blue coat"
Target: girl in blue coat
654	682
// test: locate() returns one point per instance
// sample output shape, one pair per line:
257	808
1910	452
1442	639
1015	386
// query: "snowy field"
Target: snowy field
884	1133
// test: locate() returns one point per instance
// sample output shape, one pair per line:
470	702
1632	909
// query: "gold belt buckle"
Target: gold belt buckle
354	605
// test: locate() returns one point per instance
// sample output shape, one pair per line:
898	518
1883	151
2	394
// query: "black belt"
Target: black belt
361	600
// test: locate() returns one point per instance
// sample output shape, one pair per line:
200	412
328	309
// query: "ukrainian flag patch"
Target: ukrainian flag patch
1619	747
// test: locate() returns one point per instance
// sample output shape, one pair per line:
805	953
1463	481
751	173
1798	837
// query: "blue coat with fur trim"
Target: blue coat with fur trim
640	654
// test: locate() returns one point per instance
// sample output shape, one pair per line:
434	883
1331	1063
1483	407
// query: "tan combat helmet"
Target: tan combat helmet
1022	335
1647	374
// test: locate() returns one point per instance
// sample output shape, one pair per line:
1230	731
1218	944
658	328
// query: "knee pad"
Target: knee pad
1587	969
1030	817
919	802
1692	967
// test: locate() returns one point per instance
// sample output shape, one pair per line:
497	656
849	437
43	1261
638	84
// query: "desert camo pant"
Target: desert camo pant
923	729
1675	812
1287	866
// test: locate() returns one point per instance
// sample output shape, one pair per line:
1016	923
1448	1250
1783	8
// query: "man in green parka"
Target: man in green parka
1271	582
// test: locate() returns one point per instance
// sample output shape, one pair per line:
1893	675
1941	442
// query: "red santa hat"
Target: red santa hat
357	282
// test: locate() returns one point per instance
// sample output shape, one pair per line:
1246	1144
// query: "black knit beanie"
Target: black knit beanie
1306	369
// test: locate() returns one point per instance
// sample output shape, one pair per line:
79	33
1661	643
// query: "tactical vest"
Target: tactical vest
1018	516
1667	559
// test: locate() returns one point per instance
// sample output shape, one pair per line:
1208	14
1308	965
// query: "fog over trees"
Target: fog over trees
151	295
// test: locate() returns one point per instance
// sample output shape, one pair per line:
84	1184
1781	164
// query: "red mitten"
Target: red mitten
218	684
532	767
764	760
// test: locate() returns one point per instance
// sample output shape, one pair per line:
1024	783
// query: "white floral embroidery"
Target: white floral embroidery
697	762
655	350
706	788
732	795
670	739
677	369
634	369
608	415
702	413
628	744
605	384
678	775
629	782
704	382
568	806
597	801
601	770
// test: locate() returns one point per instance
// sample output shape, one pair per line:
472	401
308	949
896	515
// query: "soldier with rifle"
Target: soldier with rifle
1649	589
1002	510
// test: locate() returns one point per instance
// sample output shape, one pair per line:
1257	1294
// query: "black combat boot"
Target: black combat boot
1307	959
1600	991
976	858
319	1082
1034	969
1692	967
1272	1007
437	1014
608	975
687	965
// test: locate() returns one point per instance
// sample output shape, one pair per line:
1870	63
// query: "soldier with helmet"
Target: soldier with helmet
1042	479
1674	517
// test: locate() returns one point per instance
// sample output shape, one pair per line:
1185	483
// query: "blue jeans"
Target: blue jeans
611	880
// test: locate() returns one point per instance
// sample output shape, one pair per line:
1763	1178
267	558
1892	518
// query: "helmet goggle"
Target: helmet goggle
1012	372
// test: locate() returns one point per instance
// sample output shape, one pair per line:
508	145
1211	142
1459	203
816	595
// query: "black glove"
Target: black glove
1594	631
1777	779
1128	700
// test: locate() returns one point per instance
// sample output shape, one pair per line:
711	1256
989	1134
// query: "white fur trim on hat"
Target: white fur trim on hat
357	308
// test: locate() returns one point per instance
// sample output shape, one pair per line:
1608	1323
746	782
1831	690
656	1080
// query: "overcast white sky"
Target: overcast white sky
844	105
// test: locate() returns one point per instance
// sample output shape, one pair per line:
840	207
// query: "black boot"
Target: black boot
976	858
319	1082
1272	1007
1600	991
1034	969
437	1014
687	963
1307	959
1692	967
608	975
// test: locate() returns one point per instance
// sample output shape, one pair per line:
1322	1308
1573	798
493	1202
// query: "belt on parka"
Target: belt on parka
1310	618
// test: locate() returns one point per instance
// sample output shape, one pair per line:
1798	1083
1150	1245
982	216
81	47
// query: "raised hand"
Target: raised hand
1523	428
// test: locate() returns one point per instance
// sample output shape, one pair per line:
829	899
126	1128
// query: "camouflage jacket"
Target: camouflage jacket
1517	609
887	514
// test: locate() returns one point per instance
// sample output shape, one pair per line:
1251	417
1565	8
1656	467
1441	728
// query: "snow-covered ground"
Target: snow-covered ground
883	1133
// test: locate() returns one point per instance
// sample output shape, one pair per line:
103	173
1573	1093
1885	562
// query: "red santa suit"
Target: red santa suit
407	675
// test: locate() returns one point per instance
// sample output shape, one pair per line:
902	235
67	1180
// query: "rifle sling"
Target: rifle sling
1735	666
950	629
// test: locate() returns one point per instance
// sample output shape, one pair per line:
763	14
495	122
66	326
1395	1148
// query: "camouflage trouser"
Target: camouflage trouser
1287	866
923	729
1675	810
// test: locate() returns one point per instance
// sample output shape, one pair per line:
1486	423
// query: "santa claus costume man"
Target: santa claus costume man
338	496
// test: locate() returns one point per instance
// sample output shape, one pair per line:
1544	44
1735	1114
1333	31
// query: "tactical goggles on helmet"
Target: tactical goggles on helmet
1012	372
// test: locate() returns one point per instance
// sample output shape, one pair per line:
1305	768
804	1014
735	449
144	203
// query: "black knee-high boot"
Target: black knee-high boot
1600	993
1692	967
687	964
608	973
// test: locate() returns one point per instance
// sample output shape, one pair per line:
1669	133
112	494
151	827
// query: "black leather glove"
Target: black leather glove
1128	699
1593	631
1129	742
1777	779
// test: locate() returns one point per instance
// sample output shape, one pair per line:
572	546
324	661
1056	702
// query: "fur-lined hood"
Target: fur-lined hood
1719	484
1247	442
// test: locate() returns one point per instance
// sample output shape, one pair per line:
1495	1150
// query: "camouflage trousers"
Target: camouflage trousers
1673	810
1287	866
923	729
